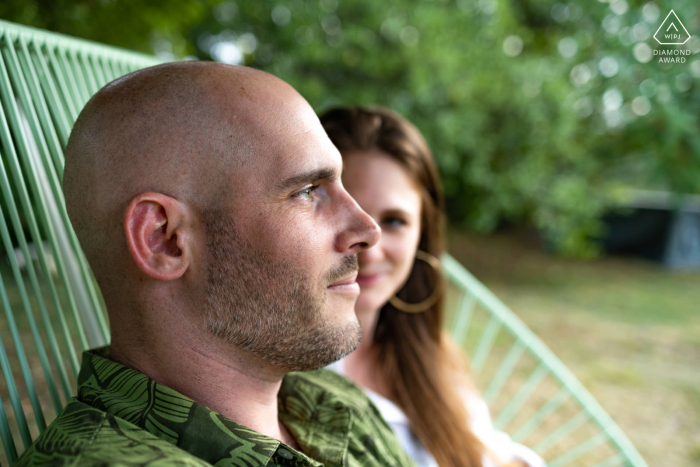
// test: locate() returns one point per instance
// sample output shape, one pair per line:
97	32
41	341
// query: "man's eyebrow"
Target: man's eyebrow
308	177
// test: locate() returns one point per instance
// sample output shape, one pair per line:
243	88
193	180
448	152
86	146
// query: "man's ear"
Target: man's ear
158	234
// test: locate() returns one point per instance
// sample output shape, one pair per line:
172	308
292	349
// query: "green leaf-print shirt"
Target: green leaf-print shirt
124	418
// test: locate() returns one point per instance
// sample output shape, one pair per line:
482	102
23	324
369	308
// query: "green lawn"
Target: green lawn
627	328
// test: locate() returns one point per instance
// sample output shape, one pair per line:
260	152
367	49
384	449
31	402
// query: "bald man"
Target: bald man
208	201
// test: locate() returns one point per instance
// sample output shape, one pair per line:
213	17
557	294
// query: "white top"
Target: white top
479	421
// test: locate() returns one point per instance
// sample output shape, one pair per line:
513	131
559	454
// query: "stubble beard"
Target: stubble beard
270	307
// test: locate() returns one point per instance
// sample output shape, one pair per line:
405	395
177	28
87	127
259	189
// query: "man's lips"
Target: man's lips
347	285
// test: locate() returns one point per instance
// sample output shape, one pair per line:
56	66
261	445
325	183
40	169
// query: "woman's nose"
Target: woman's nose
371	255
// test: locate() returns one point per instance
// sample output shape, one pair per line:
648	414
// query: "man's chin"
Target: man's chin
352	343
339	307
336	343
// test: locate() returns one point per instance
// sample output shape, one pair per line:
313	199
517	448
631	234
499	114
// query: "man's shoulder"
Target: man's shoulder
84	436
337	401
332	385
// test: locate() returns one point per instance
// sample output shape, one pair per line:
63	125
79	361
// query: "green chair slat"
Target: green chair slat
463	314
613	461
531	393
8	443
504	371
486	341
52	178
66	85
10	106
45	79
31	170
58	111
20	417
542	413
579	451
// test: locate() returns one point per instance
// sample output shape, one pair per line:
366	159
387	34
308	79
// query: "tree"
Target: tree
535	110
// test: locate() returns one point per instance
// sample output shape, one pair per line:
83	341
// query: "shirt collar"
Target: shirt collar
391	412
208	435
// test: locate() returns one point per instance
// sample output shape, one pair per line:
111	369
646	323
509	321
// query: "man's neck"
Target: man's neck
208	370
361	365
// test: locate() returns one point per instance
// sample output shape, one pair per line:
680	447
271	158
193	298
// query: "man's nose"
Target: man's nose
360	232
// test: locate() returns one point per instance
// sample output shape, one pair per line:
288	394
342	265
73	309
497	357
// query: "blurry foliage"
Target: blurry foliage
535	109
145	26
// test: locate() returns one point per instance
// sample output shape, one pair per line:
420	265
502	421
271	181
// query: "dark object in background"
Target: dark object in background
659	226
641	232
683	244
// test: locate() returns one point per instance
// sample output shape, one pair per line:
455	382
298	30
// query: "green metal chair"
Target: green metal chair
53	309
532	395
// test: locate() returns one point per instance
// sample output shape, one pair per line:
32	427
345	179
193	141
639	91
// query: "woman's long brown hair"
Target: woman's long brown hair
416	359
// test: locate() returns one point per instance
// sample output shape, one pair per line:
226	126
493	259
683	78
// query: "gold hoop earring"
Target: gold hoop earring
426	304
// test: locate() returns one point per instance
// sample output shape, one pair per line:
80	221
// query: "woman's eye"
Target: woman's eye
394	222
305	193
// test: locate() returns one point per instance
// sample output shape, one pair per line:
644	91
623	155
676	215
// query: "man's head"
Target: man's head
210	195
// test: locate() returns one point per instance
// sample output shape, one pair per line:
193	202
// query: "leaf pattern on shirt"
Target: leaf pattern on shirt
70	441
122	417
333	405
136	398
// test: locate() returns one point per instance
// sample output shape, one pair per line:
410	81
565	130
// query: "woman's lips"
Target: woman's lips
368	279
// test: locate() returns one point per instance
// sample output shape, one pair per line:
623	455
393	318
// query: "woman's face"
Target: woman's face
384	189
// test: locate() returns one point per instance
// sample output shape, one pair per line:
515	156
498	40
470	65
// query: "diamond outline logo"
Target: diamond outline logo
674	26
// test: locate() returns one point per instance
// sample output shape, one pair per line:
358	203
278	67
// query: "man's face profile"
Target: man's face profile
235	224
281	259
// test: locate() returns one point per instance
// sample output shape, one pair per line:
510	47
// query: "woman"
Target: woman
405	361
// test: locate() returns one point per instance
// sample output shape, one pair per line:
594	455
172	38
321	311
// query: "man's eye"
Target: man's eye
305	193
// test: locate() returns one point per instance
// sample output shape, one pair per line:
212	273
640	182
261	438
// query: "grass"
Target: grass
627	328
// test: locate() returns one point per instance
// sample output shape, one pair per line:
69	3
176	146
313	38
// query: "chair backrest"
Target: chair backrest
45	80
532	395
52	306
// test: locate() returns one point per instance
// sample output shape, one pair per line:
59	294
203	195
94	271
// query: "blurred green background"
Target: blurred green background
541	113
